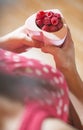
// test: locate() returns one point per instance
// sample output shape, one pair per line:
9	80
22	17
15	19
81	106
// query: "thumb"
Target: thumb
28	41
38	43
51	49
33	43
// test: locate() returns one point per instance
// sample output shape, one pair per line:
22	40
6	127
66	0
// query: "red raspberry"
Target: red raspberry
57	15
46	21
40	15
45	28
56	28
39	22
53	28
49	14
49	21
60	25
54	20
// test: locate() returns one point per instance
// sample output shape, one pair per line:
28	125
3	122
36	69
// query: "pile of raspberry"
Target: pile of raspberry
49	21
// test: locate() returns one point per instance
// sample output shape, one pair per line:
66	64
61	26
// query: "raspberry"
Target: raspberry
46	21
57	15
54	20
40	15
49	14
56	28
49	21
53	28
60	25
45	28
39	22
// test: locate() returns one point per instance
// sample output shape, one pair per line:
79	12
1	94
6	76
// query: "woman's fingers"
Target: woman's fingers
32	43
68	43
21	49
52	49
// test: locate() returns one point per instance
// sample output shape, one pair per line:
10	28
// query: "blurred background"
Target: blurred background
13	14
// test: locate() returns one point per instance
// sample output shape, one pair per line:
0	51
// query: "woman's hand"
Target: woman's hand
65	62
18	41
64	56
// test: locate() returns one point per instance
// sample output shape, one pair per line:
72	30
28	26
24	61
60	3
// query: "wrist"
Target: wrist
70	73
68	68
74	81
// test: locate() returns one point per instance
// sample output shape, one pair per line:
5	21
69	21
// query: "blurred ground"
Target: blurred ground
14	13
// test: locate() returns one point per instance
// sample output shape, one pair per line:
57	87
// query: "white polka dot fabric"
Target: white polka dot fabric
13	63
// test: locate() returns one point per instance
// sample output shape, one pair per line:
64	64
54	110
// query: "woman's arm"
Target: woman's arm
74	118
65	62
74	82
18	41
